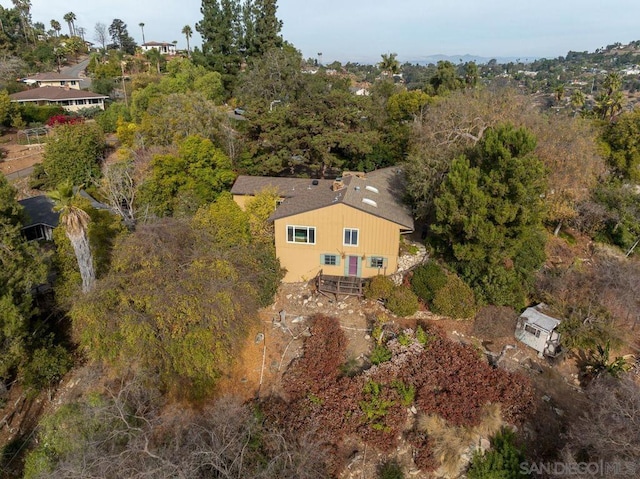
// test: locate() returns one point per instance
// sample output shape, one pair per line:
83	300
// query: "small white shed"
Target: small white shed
538	330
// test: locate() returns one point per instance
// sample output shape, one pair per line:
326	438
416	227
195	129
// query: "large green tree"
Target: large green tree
180	183
189	328
320	130
73	153
221	33
21	269
623	141
489	215
233	32
265	27
120	36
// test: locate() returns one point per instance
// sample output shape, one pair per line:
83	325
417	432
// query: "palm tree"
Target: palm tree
141	25
187	32
75	221
154	56
70	18
609	102
55	25
23	8
578	100
389	63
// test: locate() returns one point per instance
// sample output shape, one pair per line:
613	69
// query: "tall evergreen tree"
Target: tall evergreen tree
266	27
233	31
221	38
489	215
120	36
21	268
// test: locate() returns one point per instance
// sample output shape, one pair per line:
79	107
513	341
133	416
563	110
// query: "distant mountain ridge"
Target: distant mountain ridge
425	60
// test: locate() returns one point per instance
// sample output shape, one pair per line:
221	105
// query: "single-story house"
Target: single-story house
67	98
162	47
349	226
41	218
54	80
538	330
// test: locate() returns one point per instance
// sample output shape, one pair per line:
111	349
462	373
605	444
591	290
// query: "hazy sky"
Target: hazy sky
360	30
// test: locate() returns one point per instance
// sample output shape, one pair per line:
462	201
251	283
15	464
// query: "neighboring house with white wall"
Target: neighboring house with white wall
162	47
54	80
68	98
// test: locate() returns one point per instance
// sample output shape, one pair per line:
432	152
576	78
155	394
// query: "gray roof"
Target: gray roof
39	211
378	193
537	318
158	44
53	93
51	76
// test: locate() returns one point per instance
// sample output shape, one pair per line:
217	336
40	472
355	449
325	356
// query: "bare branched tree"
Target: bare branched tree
609	431
130	433
119	187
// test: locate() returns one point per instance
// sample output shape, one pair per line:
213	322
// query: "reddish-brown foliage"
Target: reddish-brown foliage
422	453
63	120
324	352
450	379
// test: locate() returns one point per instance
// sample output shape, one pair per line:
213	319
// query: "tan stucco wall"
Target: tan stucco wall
377	237
56	83
241	200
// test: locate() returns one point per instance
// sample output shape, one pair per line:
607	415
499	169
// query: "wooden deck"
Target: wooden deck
340	285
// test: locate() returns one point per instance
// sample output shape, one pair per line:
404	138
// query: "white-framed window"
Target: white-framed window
301	234
532	330
351	237
377	262
329	260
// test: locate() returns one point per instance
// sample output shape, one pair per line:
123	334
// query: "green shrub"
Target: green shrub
380	354
502	460
404	339
403	301
108	119
407	392
39	114
422	336
375	407
47	366
427	279
390	470
379	287
455	299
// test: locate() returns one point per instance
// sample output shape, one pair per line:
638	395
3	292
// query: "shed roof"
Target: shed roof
378	193
39	211
537	318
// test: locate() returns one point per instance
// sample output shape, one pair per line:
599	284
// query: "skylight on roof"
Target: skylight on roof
369	202
372	188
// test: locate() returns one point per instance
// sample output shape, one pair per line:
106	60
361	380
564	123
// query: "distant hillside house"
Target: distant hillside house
54	80
67	98
41	218
350	226
538	330
162	47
